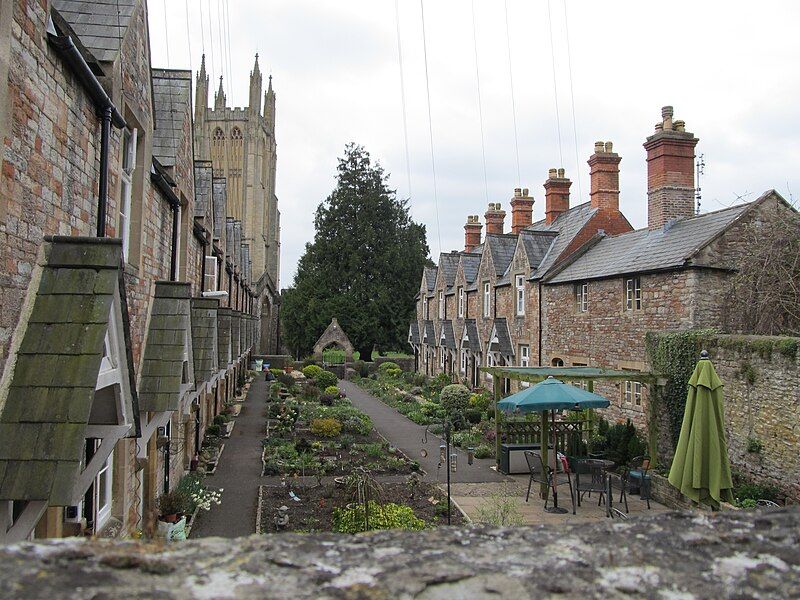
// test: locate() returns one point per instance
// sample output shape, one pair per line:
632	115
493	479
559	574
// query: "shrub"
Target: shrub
473	416
310	392
327	399
326	427
480	402
221	419
173	502
455	399
302	445
276	372
390	369
483	451
346	441
416	391
286	379
374	450
755	491
418	417
332	390
381	516
212	430
437	384
312	371
361	368
309	361
326	379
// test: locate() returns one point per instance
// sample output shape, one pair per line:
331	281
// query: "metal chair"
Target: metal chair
541	473
637	473
590	477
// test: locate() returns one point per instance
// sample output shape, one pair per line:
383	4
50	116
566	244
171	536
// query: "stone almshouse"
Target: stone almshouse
581	287
132	290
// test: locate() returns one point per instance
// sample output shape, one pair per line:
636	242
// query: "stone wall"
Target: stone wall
722	555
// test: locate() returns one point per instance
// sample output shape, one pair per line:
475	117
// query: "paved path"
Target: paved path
238	472
407	435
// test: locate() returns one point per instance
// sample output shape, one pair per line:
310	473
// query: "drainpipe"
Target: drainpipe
105	108
173	259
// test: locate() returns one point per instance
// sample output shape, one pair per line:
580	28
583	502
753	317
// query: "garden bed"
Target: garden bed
314	512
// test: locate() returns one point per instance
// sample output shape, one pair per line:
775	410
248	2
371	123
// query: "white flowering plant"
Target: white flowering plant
197	494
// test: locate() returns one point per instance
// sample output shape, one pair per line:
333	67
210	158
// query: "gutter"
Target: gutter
105	108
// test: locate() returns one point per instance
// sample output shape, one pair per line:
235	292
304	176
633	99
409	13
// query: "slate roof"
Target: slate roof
100	24
167	342
430	277
413	333
172	95
502	248
223	337
470	262
503	344
448	263
536	245
203	191
220	200
429	334
474	339
568	224
449	340
52	385
204	338
649	250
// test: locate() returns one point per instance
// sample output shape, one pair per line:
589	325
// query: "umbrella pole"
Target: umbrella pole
555	508
544	490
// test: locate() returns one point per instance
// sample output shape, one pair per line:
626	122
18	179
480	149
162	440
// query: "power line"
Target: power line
222	51
202	28
430	124
211	40
402	92
228	39
166	34
513	103
572	98
189	37
555	86
480	107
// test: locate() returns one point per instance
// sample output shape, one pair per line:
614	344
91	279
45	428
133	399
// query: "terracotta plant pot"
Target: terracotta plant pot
171	518
288	369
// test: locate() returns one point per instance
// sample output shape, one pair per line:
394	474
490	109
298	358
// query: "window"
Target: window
441	357
425	307
633	294
632	393
461	302
489	363
441	305
486	298
524	360
557	362
582	297
463	354
211	273
126	188
520	285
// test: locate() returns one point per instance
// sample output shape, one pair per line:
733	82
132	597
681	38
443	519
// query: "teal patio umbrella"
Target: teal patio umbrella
551	395
700	469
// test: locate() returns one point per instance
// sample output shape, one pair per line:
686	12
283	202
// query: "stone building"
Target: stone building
581	287
119	339
240	144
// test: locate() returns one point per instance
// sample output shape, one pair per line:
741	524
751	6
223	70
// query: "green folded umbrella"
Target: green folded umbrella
700	469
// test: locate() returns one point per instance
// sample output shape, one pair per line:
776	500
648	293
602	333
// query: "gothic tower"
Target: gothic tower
240	143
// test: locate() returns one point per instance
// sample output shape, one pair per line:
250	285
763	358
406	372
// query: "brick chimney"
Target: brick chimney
472	233
556	194
521	210
604	175
495	218
670	171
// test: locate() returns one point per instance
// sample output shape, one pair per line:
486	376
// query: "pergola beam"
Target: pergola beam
537	374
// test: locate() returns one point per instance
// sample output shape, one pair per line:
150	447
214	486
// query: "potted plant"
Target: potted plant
171	506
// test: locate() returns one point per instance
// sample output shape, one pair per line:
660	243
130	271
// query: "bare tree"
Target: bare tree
764	295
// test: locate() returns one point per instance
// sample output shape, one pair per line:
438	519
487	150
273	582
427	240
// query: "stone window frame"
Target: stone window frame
557	362
519	284
442	308
524	360
581	293
462	302
127	163
635	390
425	307
462	359
487	299
632	289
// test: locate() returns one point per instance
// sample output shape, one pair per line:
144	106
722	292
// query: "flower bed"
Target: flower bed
318	506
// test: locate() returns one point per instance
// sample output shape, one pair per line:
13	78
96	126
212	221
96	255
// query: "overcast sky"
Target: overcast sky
731	73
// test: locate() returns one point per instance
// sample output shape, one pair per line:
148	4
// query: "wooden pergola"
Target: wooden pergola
534	375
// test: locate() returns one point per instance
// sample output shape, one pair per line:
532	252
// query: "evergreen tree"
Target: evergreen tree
363	266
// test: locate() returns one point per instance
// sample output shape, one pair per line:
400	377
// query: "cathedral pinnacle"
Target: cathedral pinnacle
256	70
219	97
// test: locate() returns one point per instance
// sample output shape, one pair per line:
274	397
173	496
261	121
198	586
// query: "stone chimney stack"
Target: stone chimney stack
472	233
495	218
521	210
556	194
670	171
604	175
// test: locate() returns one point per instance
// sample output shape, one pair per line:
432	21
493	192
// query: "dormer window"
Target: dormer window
487	298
